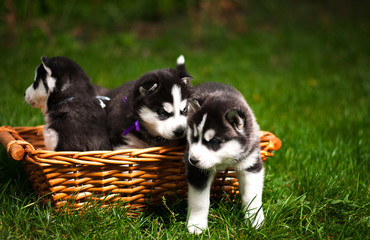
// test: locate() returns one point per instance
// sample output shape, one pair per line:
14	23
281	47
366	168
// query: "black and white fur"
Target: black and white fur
158	99
74	118
222	132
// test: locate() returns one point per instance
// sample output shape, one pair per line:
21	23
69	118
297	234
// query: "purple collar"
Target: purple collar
133	126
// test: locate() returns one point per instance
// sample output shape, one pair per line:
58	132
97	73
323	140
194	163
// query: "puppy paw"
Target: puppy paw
196	228
256	219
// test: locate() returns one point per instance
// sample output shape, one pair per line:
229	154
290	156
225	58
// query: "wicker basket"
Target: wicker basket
139	177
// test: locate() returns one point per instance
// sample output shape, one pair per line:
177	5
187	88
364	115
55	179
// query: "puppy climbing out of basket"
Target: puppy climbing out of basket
150	111
75	120
222	132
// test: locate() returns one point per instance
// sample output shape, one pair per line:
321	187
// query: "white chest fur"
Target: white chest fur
51	137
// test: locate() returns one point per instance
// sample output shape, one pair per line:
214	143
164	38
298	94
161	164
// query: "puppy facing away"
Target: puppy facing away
222	132
74	118
150	111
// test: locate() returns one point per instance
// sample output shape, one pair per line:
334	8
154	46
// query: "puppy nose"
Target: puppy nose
193	161
179	132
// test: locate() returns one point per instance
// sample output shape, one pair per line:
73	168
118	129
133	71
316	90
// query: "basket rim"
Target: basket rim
268	143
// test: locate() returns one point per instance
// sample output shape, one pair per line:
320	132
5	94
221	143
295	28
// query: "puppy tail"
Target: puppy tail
181	68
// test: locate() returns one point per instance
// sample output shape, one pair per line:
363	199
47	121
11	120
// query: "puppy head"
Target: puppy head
37	94
56	76
161	101
219	133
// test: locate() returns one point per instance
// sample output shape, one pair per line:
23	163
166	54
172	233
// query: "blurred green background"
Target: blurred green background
303	66
254	44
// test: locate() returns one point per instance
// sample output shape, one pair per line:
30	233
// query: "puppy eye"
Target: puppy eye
163	113
184	111
214	144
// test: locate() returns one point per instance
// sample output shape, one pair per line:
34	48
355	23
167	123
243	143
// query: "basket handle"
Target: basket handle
274	142
15	150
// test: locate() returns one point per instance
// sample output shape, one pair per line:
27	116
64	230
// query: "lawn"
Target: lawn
304	69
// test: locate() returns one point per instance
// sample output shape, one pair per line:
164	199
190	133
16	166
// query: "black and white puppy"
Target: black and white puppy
150	111
74	118
222	132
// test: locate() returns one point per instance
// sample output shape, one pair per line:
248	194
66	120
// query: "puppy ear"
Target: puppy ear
148	88
194	104
236	119
183	74
44	61
186	80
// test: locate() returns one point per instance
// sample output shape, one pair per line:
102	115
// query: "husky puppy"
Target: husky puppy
75	120
222	132
150	111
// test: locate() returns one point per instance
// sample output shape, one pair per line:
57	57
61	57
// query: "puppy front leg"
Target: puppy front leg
198	200
251	187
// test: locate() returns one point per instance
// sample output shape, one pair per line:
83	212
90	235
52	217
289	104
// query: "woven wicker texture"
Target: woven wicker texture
139	177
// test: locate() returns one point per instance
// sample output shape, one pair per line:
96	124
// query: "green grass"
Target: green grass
303	68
